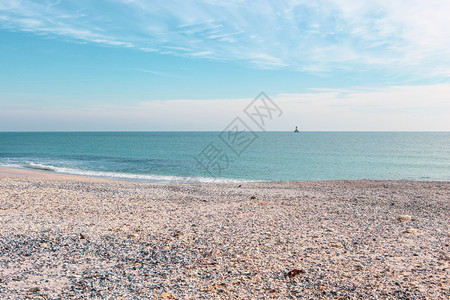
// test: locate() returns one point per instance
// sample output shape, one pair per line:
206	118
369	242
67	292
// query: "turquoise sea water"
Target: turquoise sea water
216	156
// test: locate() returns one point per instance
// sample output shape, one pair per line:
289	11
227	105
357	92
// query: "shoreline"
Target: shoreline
65	236
27	172
51	175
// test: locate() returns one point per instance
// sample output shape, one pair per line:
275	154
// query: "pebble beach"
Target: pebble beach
68	237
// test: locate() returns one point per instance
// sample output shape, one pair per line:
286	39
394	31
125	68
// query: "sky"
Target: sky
334	65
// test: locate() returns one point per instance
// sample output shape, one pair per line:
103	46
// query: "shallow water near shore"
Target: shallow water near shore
216	156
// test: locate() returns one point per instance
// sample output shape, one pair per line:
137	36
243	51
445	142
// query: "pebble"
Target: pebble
403	218
411	230
336	245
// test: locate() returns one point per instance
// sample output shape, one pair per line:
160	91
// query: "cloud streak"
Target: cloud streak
311	36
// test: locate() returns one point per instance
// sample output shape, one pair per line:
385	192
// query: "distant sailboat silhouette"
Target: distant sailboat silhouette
296	129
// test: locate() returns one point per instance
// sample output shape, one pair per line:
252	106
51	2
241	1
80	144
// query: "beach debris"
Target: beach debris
177	233
132	235
82	237
253	197
168	295
294	272
336	245
404	218
34	290
43	245
411	230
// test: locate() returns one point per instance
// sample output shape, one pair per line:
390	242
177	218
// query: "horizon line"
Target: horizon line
130	131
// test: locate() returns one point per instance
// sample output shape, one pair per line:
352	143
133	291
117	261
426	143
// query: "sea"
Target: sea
232	156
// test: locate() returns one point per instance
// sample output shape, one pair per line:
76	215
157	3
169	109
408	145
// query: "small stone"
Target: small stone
82	237
336	245
253	197
295	272
43	245
403	218
34	290
411	230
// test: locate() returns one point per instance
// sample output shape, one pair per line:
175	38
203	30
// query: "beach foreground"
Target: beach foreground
73	237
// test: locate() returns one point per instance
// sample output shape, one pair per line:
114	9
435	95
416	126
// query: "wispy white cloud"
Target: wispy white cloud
153	72
410	108
395	99
313	36
402	108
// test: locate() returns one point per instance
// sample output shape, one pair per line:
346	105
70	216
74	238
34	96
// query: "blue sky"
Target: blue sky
194	65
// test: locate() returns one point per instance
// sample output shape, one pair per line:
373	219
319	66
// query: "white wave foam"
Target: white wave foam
10	165
31	165
124	176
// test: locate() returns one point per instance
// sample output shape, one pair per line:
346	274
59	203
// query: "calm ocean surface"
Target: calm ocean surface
212	156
